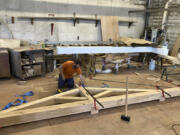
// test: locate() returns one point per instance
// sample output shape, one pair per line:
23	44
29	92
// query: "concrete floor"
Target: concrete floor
152	118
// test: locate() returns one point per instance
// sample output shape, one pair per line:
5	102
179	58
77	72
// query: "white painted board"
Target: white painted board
105	49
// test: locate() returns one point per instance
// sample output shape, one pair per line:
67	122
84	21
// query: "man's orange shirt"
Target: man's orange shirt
68	70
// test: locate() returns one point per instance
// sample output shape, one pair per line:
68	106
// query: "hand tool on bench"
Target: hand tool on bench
126	117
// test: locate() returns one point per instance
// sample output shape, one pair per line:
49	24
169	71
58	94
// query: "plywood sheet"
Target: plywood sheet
176	46
173	60
9	43
110	28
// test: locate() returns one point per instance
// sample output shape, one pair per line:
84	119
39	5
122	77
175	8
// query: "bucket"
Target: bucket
152	65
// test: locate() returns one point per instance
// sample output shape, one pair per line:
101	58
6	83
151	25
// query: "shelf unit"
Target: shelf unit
74	18
27	62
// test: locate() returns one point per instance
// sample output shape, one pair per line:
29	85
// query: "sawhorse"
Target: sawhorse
166	73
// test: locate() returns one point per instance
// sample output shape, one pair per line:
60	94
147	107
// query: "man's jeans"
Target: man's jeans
69	81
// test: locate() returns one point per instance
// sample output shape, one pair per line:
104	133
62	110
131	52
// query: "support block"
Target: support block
94	110
161	99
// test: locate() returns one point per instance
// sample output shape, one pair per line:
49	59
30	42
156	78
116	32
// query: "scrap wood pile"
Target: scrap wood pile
135	42
115	57
89	63
122	59
112	59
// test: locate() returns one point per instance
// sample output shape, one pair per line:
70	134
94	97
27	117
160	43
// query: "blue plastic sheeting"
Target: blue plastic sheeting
19	101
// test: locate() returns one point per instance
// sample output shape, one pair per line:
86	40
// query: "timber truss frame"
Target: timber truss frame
78	101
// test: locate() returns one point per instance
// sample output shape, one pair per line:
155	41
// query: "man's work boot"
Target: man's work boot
59	91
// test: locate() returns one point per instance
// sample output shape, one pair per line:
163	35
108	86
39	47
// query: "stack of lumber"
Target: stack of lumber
85	43
120	41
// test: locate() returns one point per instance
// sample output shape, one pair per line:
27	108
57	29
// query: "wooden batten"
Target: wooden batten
67	99
103	94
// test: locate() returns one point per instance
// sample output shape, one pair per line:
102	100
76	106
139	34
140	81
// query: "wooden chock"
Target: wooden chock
161	99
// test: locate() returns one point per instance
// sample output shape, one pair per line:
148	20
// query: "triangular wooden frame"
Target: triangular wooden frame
78	101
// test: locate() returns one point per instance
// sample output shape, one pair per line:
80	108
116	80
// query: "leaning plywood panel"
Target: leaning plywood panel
176	46
110	28
9	43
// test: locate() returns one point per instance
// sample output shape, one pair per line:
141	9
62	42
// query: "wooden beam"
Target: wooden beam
66	99
84	92
96	90
103	94
46	112
53	111
94	107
